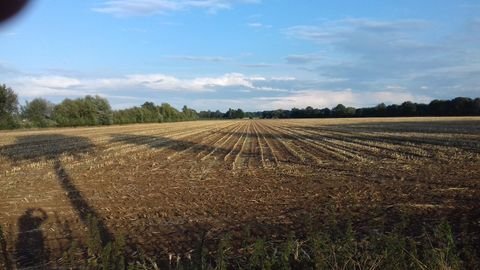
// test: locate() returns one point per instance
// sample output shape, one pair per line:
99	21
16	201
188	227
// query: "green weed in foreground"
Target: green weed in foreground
333	246
346	249
3	250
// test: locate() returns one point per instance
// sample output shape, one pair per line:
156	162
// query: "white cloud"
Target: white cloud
259	25
284	78
256	87
302	59
231	79
302	99
55	82
152	7
8	34
257	78
33	86
199	58
271	89
162	82
6	68
326	98
369	54
258	65
46	86
152	81
338	30
394	97
394	88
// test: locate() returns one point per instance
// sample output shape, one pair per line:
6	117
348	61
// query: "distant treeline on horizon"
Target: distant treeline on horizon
96	110
460	106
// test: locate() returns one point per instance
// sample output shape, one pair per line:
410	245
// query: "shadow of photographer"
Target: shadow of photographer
30	246
31	250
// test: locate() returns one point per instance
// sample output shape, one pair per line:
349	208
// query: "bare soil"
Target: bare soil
165	186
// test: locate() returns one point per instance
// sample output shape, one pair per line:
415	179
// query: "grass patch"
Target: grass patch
334	245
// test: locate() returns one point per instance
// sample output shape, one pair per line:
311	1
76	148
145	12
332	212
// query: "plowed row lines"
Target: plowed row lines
220	144
358	148
209	139
234	155
268	152
240	144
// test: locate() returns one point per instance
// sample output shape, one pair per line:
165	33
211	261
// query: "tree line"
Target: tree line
86	111
460	106
96	110
230	114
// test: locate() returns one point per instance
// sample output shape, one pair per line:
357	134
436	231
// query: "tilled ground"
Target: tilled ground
166	185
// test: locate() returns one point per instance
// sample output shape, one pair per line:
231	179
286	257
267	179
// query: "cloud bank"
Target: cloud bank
220	92
371	54
124	8
32	86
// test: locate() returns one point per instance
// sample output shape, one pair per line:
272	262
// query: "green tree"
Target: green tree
169	113
67	113
39	112
339	110
8	107
350	111
189	114
103	110
461	106
234	114
476	107
408	108
239	114
381	109
151	113
83	111
438	107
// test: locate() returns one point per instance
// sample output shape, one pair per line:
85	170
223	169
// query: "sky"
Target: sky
249	54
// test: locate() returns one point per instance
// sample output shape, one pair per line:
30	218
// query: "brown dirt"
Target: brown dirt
164	185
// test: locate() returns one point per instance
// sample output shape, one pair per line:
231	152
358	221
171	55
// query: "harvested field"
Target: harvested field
165	186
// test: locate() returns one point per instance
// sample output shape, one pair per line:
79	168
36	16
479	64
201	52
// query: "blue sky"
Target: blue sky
253	54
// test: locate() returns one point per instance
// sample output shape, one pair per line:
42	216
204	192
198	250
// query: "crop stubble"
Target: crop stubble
164	185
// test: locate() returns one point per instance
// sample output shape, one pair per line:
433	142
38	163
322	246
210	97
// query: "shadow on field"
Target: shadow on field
167	143
5	261
53	147
46	147
30	247
220	146
222	149
86	212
